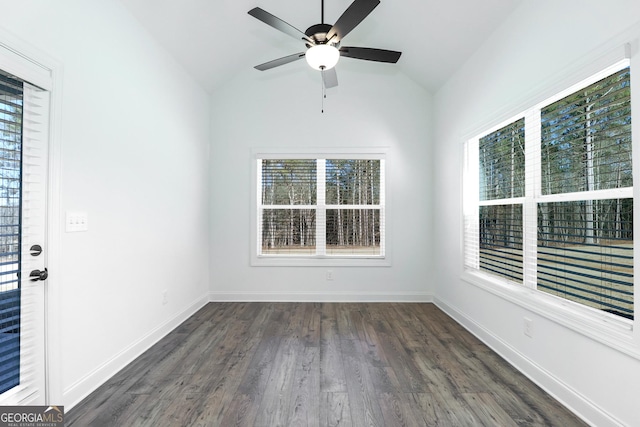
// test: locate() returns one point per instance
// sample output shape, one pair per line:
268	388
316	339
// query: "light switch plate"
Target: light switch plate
77	221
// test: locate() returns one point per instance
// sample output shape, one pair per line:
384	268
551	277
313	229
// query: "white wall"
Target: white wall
541	42
134	146
134	156
372	107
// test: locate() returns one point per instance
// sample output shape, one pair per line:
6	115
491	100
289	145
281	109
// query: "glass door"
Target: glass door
23	165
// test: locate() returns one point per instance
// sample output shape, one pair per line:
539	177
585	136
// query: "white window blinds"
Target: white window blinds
585	245
501	158
548	197
289	196
328	207
11	106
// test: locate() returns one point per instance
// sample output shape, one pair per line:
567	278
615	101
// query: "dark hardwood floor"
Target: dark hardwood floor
319	364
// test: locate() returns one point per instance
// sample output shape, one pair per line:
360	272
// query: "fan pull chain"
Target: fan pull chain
324	90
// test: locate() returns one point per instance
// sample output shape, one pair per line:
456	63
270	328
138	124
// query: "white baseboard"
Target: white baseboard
73	394
321	297
563	393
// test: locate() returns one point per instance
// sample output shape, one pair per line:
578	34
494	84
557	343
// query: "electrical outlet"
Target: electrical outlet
528	327
165	297
329	274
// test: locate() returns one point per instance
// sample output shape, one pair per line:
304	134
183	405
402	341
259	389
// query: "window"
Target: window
325	208
11	106
549	197
501	158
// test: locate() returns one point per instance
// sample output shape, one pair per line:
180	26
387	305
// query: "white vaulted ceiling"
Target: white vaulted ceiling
215	39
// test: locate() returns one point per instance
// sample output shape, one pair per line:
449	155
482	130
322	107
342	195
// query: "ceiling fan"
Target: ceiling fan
323	41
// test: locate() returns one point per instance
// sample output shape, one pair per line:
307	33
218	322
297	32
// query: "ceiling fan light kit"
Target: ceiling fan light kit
322	56
323	41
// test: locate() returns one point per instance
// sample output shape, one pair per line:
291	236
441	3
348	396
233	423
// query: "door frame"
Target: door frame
38	68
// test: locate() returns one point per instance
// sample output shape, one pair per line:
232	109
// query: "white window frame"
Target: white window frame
320	259
615	331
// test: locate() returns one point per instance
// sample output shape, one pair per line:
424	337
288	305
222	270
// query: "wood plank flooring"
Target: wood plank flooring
319	364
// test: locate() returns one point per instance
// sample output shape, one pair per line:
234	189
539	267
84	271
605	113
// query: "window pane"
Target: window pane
353	182
289	231
502	163
501	240
353	232
585	253
298	207
586	138
289	182
11	110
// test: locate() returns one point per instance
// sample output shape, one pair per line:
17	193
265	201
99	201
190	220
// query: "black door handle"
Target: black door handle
36	275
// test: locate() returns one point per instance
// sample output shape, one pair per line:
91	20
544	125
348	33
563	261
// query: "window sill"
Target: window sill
317	261
608	329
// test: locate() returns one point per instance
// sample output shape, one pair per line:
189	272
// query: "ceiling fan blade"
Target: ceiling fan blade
351	17
370	54
278	23
279	61
330	78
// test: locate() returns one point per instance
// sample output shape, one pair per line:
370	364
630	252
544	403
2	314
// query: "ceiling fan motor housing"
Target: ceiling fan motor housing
318	33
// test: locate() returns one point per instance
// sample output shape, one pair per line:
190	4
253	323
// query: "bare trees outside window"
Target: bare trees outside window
585	247
501	158
321	207
554	197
